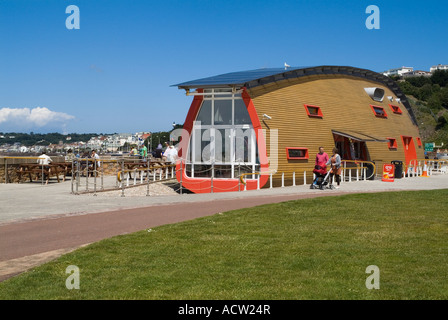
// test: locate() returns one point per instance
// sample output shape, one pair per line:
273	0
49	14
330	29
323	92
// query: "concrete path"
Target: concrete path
39	223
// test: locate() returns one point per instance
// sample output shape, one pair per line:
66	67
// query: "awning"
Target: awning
359	136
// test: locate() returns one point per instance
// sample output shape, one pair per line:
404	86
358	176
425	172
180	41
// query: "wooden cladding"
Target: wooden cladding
345	105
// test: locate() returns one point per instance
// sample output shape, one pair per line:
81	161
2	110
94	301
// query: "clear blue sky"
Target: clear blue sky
114	73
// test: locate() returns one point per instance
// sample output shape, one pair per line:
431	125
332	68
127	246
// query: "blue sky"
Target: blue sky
115	73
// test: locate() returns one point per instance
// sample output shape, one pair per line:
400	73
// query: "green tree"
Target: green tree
419	81
440	77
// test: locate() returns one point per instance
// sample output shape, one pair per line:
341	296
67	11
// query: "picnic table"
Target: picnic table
43	171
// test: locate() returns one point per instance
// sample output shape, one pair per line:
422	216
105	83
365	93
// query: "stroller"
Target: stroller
322	178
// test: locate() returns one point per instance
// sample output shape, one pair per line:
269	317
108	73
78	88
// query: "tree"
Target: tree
440	77
419	81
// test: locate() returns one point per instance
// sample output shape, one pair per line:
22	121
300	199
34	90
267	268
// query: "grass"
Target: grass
305	249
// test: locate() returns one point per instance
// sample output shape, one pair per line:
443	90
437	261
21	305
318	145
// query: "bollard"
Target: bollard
294	179
283	179
258	182
270	181
304	177
350	175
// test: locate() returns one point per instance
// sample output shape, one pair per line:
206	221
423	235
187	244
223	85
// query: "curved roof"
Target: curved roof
258	77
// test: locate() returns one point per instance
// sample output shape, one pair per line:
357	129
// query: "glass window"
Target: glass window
379	111
223	112
241	114
202	171
205	114
206	145
223	171
224	138
222	145
243	145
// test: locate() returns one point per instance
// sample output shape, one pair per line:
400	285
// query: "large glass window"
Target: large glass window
222	138
222	114
205	113
241	114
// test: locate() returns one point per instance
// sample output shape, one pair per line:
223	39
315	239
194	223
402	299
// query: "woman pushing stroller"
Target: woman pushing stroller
335	162
320	169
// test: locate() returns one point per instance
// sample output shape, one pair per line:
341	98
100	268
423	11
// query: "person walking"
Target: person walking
335	162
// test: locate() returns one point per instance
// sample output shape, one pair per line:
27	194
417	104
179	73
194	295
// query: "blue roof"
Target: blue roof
235	78
254	78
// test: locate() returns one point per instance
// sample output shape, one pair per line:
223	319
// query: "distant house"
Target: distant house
417	73
439	67
398	71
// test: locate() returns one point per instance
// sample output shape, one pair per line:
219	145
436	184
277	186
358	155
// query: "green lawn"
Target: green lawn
306	249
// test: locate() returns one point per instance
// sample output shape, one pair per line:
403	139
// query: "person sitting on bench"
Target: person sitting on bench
44	161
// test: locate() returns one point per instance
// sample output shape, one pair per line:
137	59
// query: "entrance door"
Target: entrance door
350	148
409	149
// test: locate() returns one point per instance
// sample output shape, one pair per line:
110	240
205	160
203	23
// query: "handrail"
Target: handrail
31	158
241	176
362	161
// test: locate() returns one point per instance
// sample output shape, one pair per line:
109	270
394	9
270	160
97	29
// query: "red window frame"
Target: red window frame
395	109
392	144
384	115
306	156
419	142
319	111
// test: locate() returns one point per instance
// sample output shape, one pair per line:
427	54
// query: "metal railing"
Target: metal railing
416	167
148	170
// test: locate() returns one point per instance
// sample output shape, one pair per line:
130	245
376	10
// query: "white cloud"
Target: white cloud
36	117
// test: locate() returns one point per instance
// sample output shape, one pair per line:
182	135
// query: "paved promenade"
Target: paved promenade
39	223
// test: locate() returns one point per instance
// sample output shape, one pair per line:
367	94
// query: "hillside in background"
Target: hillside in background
428	97
30	139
